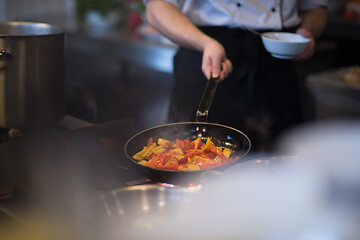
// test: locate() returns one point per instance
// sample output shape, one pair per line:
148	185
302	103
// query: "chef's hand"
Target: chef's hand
214	61
309	51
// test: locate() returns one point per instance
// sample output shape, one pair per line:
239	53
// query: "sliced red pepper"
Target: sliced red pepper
169	167
174	162
214	163
202	164
195	152
197	143
229	160
150	142
168	145
210	155
183	160
181	144
152	162
189	144
218	152
164	158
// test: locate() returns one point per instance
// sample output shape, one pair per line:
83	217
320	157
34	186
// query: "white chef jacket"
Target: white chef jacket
255	14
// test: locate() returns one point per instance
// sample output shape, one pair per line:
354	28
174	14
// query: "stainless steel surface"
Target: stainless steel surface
32	74
330	96
137	201
140	208
206	100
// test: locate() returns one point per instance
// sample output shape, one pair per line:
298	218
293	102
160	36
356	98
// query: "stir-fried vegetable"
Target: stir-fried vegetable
183	155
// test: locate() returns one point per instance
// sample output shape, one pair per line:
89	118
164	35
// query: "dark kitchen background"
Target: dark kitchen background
118	67
118	77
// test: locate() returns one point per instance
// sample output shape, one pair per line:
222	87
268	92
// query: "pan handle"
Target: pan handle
206	99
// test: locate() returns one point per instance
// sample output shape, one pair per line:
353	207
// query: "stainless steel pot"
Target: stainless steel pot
32	74
135	212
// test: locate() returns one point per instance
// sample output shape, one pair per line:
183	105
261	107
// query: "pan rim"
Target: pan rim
186	123
146	187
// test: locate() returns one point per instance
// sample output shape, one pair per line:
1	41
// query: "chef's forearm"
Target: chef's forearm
172	23
315	21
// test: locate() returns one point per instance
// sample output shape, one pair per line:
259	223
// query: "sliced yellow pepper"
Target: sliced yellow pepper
201	158
149	151
227	152
143	162
207	145
159	150
178	151
139	156
164	143
193	167
182	168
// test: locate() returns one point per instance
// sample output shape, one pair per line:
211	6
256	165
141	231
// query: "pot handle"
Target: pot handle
5	54
206	100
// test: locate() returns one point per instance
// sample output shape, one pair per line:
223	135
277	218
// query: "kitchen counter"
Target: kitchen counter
108	69
52	149
123	45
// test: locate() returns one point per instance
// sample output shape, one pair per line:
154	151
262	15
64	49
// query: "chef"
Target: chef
259	94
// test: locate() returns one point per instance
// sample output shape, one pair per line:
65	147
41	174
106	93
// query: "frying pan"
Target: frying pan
222	135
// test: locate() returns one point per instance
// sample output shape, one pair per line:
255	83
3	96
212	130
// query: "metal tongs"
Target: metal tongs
206	99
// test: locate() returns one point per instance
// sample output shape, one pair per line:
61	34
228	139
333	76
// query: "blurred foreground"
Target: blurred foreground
311	192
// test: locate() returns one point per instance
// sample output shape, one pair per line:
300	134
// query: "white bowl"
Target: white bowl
284	45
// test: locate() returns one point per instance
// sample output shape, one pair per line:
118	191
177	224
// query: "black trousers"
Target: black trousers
260	97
